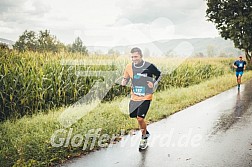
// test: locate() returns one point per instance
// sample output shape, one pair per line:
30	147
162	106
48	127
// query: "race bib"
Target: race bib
139	90
240	64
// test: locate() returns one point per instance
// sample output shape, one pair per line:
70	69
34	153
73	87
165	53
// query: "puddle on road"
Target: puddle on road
238	113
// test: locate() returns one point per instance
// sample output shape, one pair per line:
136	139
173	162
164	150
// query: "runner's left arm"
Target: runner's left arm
157	74
235	65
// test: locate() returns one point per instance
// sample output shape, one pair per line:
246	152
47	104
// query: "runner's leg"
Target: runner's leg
239	79
142	125
142	112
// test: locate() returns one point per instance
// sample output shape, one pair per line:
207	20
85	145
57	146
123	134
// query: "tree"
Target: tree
113	52
3	46
233	20
48	42
30	41
27	41
78	46
199	54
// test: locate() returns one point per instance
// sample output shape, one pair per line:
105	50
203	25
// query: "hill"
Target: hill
202	47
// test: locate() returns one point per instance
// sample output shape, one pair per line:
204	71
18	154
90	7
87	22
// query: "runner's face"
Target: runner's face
240	58
136	58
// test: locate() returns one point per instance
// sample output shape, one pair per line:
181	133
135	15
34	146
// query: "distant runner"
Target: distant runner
240	66
141	74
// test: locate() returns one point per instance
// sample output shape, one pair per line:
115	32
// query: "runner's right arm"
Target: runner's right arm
126	78
234	65
124	81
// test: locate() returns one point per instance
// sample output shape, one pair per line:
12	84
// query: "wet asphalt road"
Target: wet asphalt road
215	132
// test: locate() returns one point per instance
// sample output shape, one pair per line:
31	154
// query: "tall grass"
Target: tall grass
32	82
38	82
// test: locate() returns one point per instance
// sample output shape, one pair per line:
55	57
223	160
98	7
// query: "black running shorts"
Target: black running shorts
139	108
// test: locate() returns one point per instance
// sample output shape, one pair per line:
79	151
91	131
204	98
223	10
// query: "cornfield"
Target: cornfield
33	82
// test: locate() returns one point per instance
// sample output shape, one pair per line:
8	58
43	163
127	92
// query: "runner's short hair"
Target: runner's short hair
138	50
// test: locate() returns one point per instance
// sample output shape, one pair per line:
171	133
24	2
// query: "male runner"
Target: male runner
240	66
141	74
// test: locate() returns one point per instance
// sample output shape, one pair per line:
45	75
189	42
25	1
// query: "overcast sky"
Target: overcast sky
106	22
